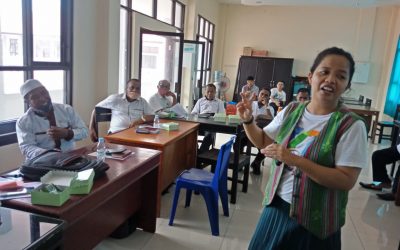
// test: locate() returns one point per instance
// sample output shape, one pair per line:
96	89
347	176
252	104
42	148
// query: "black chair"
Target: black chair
210	158
102	115
368	102
381	125
361	98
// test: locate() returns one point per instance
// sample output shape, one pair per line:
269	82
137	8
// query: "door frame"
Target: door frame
164	33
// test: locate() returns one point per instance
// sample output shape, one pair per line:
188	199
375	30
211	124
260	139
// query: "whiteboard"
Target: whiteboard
361	73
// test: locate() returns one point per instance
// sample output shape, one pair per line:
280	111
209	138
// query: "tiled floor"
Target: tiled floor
371	223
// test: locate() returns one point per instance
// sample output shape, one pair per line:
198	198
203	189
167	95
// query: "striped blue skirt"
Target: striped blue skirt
276	230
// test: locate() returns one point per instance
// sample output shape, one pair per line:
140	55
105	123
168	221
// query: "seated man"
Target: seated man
391	196
379	160
251	87
278	97
164	98
303	95
263	114
208	104
128	109
46	125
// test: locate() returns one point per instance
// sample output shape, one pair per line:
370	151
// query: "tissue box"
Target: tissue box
77	182
220	117
234	119
82	183
169	126
41	197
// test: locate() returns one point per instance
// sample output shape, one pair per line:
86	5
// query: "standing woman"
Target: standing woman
318	149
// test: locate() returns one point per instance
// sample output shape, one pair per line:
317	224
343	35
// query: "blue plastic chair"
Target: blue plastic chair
207	184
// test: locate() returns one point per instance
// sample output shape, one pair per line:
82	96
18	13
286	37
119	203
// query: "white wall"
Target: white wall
301	32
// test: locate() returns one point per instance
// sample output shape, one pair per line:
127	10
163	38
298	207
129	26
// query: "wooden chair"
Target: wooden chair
381	125
368	102
102	115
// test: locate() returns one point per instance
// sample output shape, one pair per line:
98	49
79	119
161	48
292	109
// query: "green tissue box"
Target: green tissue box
169	126
234	119
220	117
50	195
82	183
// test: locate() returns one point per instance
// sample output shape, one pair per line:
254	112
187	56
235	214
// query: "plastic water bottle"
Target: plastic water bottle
101	150
156	123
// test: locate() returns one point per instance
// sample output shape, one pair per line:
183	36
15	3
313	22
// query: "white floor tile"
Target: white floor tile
370	223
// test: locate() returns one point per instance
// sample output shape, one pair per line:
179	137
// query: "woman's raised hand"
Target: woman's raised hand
244	109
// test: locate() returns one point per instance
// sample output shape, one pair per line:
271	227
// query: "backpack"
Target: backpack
51	159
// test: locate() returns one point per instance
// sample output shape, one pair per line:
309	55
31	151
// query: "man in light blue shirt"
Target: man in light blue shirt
46	125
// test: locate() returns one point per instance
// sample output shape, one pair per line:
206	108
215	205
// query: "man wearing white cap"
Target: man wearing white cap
46	125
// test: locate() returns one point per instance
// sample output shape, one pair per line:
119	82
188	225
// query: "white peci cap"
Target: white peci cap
29	85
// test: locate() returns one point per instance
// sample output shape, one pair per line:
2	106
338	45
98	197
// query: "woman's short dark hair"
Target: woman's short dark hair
335	51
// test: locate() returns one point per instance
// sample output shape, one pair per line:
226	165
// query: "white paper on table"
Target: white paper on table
179	110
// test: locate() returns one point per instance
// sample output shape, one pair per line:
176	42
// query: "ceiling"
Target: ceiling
338	3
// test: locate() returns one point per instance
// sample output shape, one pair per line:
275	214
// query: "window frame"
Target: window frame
7	127
209	45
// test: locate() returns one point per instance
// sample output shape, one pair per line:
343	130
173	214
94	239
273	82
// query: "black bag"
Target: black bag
54	160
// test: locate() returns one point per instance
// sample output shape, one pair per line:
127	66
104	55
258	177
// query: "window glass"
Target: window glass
53	80
211	32
178	15
10	82
46	30
123	50
11	46
164	11
206	30
143	6
201	27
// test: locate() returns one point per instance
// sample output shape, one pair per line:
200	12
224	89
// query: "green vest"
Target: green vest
318	209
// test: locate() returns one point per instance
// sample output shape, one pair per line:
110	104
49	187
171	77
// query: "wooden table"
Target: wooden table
369	112
128	188
179	148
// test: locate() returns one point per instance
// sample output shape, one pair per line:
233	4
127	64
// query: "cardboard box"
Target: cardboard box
82	183
247	51
220	117
40	195
260	53
234	119
169	126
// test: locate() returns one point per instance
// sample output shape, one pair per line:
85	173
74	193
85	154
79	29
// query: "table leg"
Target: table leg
235	176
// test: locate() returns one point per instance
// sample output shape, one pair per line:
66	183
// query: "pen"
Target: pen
40	133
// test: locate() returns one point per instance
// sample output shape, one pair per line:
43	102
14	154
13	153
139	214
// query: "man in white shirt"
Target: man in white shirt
46	125
251	87
128	109
303	95
208	104
278	96
263	114
164	98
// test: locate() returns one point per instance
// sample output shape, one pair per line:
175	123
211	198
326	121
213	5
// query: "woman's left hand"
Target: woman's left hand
279	153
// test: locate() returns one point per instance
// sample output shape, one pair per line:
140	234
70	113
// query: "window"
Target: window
171	12
31	35
205	33
393	93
